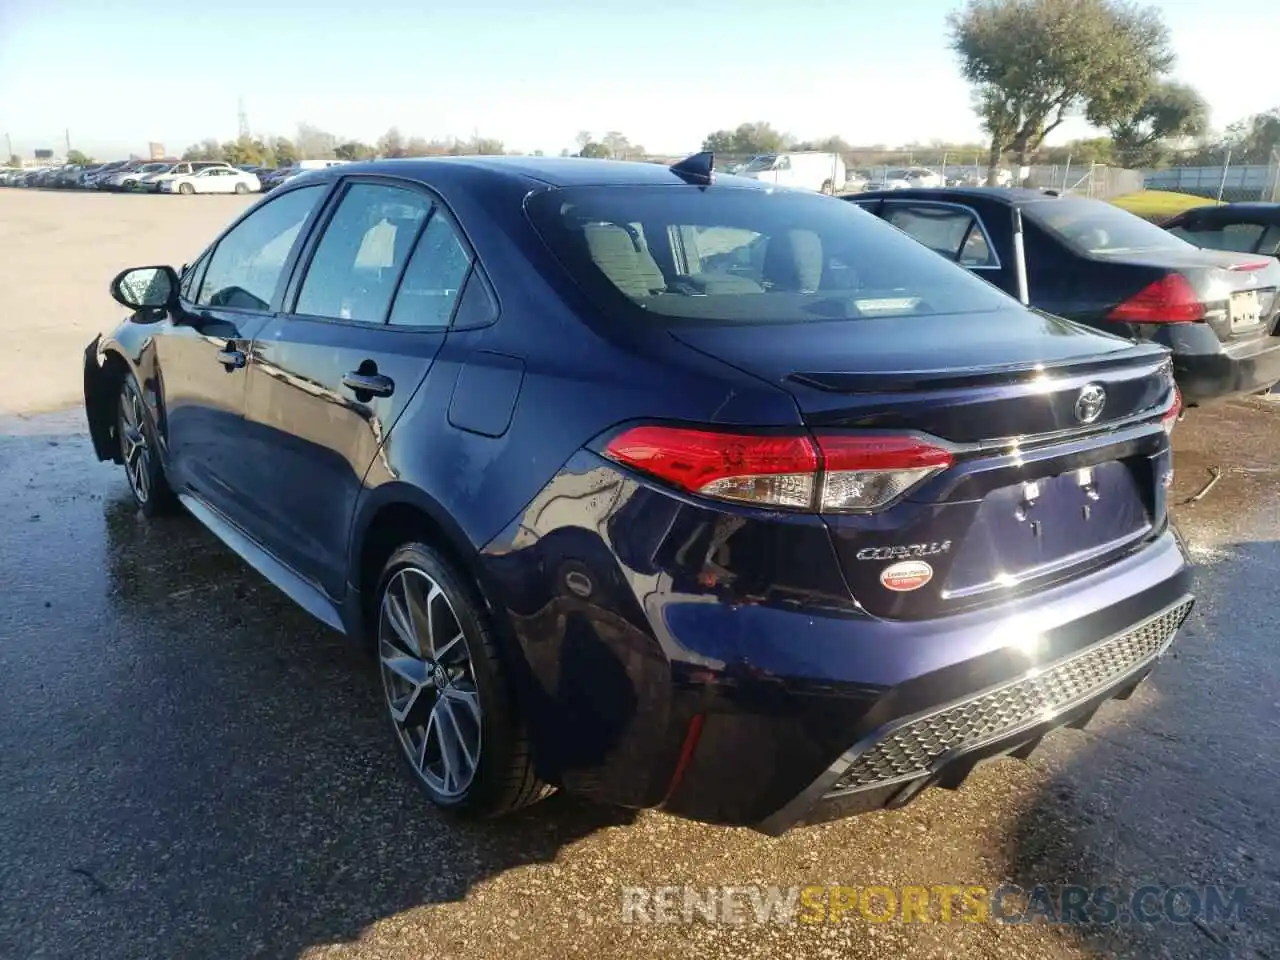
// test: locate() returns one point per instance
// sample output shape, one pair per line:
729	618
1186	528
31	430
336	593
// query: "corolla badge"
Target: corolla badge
1090	402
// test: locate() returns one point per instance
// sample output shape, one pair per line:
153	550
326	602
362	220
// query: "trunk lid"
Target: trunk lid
1034	496
1239	290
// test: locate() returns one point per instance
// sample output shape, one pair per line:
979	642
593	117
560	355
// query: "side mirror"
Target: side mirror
143	288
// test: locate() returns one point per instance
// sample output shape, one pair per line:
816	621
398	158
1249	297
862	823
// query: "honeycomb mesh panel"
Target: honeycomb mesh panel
912	749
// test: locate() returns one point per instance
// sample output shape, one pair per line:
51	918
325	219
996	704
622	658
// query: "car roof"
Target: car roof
1252	208
552	171
1009	196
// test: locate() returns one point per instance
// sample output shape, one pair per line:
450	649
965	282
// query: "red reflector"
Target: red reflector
1255	265
1170	416
880	453
692	459
1171	299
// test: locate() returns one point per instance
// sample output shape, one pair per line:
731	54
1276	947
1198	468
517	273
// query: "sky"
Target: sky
532	74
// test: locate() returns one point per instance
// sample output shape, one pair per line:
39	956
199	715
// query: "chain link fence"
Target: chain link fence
1228	182
888	169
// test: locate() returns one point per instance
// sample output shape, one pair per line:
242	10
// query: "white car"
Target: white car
915	177
824	172
211	180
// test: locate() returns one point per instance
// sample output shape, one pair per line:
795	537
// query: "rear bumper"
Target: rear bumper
958	690
1237	369
940	747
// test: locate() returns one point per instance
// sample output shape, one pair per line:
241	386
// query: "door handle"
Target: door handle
231	358
374	384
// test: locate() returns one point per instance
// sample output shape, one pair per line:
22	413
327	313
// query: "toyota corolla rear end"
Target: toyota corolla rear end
952	537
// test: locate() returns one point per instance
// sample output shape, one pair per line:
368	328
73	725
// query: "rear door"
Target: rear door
328	381
955	231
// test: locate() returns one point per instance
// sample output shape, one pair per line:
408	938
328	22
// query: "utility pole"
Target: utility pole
8	139
243	117
68	139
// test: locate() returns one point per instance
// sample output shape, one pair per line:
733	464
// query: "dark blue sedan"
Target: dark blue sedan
665	489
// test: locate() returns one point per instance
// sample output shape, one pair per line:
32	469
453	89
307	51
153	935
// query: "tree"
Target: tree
583	138
753	138
837	144
314	143
15	160
207	149
391	143
354	150
1034	63
1255	139
284	152
243	150
79	158
1170	111
619	147
593	149
481	146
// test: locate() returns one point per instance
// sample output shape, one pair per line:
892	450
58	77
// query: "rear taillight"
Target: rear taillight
838	473
1170	416
1171	299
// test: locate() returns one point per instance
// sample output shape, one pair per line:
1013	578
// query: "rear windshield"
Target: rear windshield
1099	228
734	255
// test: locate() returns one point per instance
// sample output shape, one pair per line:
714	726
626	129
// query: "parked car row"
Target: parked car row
161	176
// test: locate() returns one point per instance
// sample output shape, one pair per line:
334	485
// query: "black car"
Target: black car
1092	262
666	489
1239	227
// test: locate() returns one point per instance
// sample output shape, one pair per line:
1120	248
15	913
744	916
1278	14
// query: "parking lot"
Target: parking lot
191	767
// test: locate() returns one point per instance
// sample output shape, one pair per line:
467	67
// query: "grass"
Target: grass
1158	204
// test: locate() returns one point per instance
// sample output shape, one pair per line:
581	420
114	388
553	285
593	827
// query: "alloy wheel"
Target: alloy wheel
134	448
429	682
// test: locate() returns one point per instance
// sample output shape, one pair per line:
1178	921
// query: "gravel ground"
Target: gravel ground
190	767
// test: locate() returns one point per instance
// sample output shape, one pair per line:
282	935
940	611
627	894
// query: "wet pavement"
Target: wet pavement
190	767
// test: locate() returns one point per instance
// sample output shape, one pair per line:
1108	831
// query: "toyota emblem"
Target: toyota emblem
1090	402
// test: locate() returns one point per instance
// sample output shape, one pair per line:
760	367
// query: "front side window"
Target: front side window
359	259
757	257
953	232
434	276
1270	244
246	265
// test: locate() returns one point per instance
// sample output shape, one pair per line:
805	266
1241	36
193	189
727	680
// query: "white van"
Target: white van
811	171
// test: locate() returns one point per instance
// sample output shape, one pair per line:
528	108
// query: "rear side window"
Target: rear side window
354	271
1097	228
953	232
1239	237
433	278
732	255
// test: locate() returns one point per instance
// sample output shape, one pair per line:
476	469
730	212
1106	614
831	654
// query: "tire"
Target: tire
138	449
127	186
827	187
449	698
242	188
186	189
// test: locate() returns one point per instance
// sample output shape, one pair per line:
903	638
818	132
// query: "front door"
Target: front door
202	357
328	381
